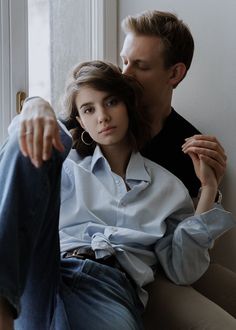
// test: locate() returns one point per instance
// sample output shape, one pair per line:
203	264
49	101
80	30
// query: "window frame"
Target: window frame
13	58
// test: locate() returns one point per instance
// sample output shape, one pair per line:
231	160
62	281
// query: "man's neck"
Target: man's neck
158	117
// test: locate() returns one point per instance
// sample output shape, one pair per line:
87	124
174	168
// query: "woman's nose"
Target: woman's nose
103	116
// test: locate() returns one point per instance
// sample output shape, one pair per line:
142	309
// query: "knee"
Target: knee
10	152
11	155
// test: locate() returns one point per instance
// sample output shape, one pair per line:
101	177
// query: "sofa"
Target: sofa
209	304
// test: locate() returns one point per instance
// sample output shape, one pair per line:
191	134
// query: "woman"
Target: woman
120	214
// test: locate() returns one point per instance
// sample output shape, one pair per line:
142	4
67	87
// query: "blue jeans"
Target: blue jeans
47	292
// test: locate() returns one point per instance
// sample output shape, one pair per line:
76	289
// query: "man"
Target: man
157	51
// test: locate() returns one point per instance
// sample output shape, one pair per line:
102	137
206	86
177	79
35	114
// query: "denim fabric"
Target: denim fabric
88	296
96	297
44	292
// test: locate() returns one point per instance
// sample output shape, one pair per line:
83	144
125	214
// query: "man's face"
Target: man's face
142	58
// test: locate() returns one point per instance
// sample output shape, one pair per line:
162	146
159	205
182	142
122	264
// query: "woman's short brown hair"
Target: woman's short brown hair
104	76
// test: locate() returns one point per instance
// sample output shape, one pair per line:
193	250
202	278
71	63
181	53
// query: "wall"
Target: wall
70	40
39	48
80	30
207	96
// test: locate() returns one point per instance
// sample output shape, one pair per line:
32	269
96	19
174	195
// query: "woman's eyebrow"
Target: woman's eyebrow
85	104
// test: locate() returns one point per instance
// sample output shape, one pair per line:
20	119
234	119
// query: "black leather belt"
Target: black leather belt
87	253
81	253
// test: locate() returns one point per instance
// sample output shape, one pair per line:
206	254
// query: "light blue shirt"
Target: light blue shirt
153	220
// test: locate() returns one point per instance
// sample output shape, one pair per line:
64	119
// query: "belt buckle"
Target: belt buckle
75	253
81	253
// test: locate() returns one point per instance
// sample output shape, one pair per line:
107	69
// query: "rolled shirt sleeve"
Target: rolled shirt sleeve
183	251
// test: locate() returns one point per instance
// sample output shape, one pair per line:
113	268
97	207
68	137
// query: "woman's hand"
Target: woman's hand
211	151
209	162
39	131
209	183
204	172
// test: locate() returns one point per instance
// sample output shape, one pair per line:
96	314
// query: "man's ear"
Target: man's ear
80	121
178	72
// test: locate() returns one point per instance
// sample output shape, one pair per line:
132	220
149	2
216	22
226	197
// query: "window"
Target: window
39	48
60	34
63	33
13	58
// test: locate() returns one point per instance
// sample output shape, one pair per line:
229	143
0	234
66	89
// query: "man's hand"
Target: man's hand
211	151
39	131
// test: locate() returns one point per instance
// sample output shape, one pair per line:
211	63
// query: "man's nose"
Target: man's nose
128	70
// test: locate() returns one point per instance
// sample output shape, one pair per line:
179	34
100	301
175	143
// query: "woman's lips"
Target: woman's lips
107	130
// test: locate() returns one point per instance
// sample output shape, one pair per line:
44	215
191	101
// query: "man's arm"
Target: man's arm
39	131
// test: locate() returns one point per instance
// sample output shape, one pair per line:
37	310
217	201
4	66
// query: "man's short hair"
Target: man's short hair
175	35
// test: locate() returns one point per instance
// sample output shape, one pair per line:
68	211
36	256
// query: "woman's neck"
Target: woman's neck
118	157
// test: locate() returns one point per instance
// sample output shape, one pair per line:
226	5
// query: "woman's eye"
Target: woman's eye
87	110
112	102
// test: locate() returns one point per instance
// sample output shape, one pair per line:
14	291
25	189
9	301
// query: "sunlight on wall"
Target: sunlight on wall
39	48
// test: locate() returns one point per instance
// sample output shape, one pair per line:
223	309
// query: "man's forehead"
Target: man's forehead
141	47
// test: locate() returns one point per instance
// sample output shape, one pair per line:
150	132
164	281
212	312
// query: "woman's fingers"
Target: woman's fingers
209	148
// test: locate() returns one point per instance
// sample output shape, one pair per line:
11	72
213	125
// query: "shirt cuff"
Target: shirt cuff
217	221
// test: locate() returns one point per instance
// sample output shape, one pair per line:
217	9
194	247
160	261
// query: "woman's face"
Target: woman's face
103	116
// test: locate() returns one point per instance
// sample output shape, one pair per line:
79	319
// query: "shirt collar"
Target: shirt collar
136	169
97	158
